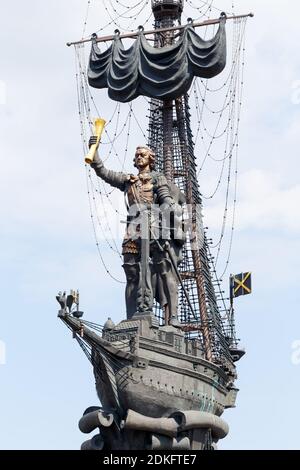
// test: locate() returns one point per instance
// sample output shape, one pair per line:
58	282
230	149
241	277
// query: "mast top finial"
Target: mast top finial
169	8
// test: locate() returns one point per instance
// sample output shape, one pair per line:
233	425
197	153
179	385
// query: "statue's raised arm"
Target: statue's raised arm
117	179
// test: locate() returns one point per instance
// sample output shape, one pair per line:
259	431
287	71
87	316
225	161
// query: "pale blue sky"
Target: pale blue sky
47	240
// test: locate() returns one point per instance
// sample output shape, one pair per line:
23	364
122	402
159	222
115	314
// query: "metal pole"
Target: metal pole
167	249
195	252
167	40
155	31
168	139
144	307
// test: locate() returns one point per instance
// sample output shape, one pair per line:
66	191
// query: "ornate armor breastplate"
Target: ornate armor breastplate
140	191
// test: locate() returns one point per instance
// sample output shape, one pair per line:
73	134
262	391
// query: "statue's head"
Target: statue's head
143	157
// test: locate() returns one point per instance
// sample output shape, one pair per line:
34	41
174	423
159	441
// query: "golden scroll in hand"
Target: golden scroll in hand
98	129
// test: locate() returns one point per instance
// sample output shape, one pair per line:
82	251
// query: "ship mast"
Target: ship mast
167	14
170	136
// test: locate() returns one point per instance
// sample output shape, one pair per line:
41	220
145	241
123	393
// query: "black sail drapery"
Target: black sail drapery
162	73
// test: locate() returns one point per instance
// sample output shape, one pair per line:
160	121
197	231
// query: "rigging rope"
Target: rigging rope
209	5
86	18
96	238
86	122
121	15
111	22
233	146
236	166
225	123
203	14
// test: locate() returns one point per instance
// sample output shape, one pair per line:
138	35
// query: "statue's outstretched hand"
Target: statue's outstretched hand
96	160
92	141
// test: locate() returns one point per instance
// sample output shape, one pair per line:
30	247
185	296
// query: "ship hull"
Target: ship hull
156	388
156	379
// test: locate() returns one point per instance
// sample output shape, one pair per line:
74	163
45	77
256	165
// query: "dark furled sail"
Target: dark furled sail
163	73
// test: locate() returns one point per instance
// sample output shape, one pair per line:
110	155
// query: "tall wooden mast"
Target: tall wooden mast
170	136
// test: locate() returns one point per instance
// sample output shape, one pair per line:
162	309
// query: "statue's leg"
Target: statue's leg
168	283
145	290
171	290
173	282
131	267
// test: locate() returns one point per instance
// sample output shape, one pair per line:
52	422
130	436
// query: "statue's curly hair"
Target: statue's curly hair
151	155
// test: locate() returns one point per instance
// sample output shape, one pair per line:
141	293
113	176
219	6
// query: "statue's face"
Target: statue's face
142	157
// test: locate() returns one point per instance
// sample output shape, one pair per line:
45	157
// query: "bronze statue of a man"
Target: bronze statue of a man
151	274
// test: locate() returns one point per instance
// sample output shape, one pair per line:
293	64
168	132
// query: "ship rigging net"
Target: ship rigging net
203	131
